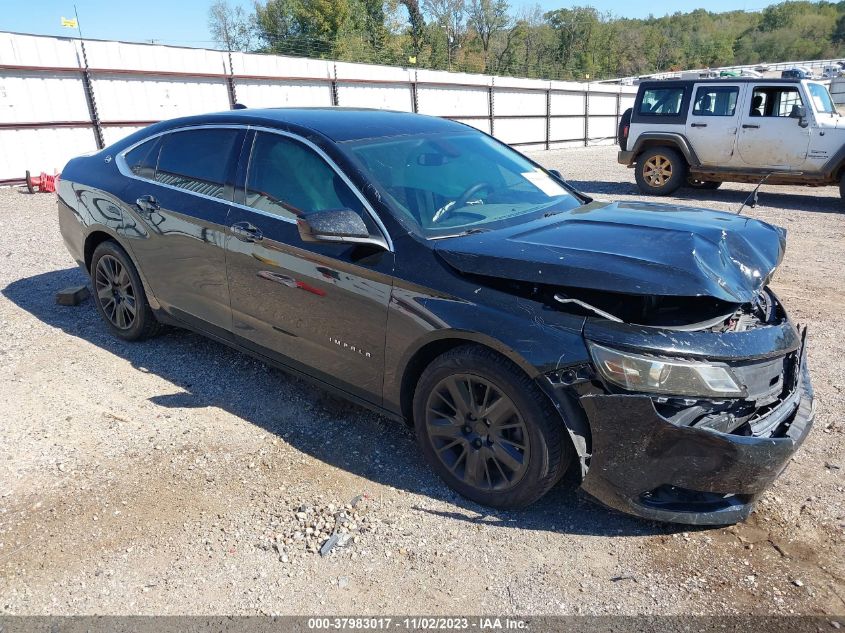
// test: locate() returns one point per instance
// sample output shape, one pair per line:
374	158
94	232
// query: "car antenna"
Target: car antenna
753	195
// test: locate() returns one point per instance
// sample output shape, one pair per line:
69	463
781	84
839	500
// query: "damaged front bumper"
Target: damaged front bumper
643	464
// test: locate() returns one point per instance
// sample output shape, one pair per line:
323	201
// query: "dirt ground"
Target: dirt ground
168	477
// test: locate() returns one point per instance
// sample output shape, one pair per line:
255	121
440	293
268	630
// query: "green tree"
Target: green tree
488	18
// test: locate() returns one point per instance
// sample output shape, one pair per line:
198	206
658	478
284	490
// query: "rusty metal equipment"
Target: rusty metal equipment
43	183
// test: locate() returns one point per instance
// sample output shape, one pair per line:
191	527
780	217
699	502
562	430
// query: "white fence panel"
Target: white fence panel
42	149
519	131
28	97
257	93
510	102
150	98
381	96
452	101
41	85
479	124
567	129
113	134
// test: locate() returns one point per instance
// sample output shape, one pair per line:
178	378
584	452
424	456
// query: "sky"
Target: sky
185	22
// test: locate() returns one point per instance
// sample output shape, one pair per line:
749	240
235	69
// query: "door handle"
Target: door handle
750	126
246	232
698	125
148	204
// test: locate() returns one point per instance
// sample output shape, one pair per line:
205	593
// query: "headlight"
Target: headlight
664	375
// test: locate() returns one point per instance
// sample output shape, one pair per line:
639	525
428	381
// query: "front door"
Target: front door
181	187
713	122
318	307
769	137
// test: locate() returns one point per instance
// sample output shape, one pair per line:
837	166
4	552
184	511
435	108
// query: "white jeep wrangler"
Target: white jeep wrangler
700	133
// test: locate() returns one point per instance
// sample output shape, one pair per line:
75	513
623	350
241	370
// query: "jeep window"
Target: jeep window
821	99
662	101
444	182
774	101
715	101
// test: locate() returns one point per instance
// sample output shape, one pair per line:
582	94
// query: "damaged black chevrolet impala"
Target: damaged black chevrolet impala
430	272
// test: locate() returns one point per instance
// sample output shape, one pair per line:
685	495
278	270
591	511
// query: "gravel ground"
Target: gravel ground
180	477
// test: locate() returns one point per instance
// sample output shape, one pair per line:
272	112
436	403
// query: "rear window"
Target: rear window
197	160
715	101
662	101
142	160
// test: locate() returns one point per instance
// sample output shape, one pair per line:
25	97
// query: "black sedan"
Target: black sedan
424	269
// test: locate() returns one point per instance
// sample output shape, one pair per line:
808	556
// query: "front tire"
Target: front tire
660	171
842	186
119	294
487	430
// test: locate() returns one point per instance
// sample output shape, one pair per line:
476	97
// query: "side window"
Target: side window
143	159
288	179
775	101
197	160
665	101
715	101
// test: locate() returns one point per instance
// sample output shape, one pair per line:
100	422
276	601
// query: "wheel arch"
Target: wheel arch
439	343
99	234
572	416
673	140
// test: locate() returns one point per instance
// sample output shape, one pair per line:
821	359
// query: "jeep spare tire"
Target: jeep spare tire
624	128
660	171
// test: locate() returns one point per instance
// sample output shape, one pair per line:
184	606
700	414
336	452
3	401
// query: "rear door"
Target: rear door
713	122
318	307
769	137
182	198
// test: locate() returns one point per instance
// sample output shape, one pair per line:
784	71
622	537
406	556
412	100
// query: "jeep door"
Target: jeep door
769	136
713	121
318	307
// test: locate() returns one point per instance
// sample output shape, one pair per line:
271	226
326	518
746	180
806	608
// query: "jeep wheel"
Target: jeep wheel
693	183
660	171
842	187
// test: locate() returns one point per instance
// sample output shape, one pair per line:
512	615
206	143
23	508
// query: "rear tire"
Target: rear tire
660	171
119	294
842	186
692	183
487	430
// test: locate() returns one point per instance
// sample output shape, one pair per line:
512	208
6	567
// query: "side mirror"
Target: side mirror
336	225
799	112
557	174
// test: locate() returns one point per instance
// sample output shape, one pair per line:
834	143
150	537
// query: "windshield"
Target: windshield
449	183
821	99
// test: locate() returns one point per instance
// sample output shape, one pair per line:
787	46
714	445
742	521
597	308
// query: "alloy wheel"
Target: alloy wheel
657	170
115	293
477	432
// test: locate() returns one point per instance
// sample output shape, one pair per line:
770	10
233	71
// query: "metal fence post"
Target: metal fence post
230	83
415	104
335	96
88	87
587	115
490	108
548	117
618	109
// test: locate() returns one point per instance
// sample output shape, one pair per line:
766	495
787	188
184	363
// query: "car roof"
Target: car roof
721	80
335	123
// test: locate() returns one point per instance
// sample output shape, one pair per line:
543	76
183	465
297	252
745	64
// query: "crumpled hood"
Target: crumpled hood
631	247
